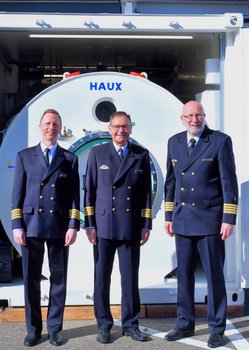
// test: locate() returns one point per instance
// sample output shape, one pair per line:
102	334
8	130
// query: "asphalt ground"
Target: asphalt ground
81	335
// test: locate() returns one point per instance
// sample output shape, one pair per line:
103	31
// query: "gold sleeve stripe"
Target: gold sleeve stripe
88	211
146	213
230	208
169	206
74	214
16	214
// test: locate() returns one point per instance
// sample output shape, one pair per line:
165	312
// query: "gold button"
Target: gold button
129	187
114	198
192	189
128	210
183	203
182	173
51	211
42	183
40	210
193	204
52	198
193	173
114	187
53	185
128	198
113	209
41	197
182	189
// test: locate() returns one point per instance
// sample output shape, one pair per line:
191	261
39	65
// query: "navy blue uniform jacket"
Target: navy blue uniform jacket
201	191
45	200
118	194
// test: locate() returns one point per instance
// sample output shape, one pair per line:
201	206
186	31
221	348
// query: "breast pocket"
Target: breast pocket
62	175
61	178
139	171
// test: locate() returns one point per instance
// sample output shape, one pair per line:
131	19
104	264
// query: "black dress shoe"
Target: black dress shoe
104	336
215	340
177	334
31	340
135	334
55	338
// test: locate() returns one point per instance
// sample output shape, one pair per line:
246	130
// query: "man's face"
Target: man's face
120	130
50	127
193	118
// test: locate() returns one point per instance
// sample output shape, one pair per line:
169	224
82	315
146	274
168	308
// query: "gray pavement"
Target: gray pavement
81	335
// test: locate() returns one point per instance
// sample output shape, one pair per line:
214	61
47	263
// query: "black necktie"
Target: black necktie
191	146
120	153
47	150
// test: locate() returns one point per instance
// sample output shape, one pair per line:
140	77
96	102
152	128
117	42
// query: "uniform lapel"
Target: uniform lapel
126	163
182	149
201	147
114	160
39	158
56	162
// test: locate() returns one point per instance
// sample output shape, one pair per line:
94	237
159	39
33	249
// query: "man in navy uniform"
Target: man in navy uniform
118	218
201	197
45	209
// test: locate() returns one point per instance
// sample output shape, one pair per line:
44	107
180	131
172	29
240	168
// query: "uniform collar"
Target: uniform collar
197	137
52	148
124	148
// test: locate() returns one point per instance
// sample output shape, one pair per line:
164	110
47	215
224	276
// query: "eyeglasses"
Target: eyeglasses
124	127
199	116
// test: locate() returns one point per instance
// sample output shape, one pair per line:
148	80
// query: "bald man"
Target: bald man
201	198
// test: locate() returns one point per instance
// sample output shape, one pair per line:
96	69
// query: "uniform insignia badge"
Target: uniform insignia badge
62	175
104	167
207	159
174	161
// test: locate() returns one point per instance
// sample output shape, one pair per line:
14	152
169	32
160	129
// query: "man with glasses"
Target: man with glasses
118	218
201	198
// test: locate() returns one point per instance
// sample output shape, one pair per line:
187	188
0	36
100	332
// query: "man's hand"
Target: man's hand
71	236
226	230
19	236
145	234
91	235
168	228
